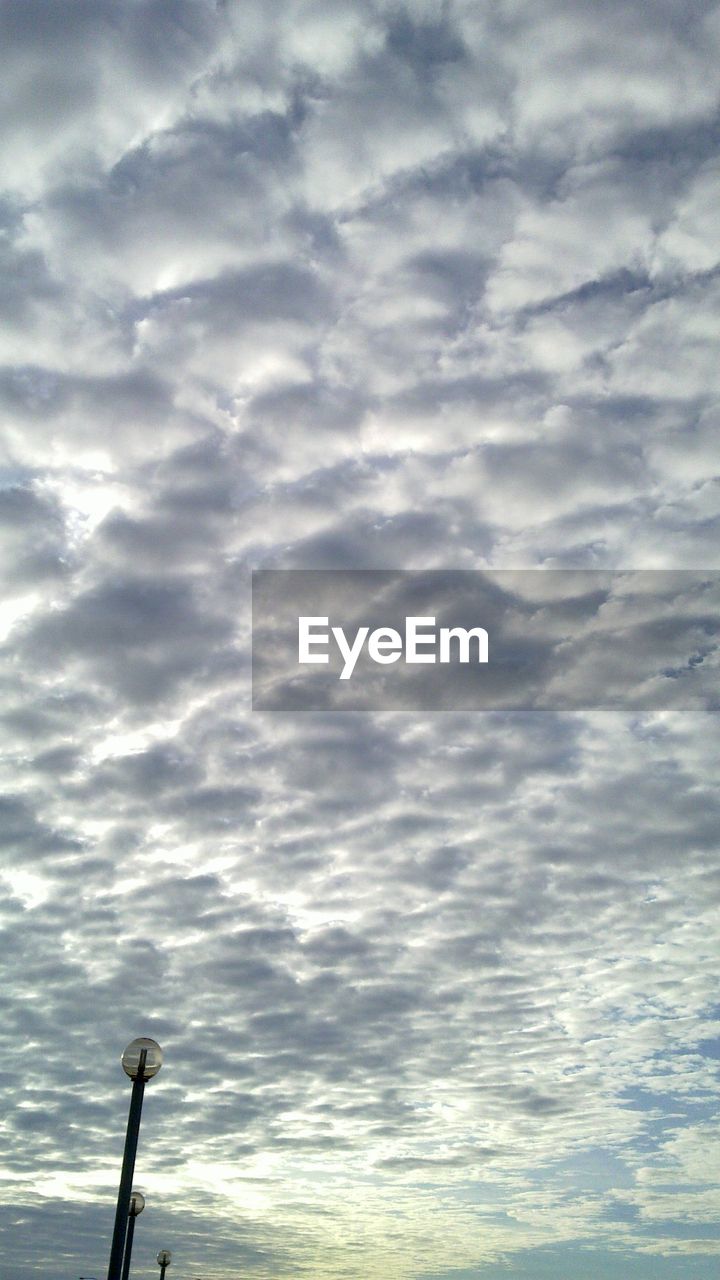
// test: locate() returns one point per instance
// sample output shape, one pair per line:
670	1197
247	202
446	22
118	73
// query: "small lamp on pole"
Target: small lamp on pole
164	1259
137	1204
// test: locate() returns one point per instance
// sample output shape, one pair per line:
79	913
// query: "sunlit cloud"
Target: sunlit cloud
351	286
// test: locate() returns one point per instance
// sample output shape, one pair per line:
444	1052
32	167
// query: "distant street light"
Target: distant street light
164	1258
137	1204
141	1061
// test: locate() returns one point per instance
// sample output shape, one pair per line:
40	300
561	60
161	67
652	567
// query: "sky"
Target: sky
352	285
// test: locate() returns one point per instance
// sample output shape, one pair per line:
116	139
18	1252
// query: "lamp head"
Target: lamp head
153	1058
137	1203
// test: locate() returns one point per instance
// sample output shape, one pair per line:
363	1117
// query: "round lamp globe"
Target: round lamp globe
137	1203
153	1058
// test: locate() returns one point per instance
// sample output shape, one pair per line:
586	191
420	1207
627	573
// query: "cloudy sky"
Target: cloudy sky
352	284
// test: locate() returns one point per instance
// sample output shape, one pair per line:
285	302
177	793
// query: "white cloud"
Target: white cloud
350	285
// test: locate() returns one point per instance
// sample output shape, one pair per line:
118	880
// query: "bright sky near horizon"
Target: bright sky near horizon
352	284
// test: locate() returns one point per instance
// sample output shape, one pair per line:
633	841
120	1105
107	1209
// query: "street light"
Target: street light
141	1061
137	1204
163	1259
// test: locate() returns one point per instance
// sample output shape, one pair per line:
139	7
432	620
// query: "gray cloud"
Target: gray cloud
351	286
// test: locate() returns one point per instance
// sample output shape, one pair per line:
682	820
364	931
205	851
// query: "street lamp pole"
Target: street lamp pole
163	1260
137	1204
141	1060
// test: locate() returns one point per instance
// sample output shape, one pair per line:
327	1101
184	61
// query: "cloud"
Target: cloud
351	286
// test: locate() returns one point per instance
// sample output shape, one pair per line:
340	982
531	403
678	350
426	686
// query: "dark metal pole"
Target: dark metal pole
128	1169
163	1266
128	1245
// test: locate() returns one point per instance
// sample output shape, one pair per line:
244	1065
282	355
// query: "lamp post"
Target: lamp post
141	1061
137	1204
163	1259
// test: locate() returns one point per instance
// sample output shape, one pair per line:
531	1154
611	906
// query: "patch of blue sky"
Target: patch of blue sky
666	1106
709	1048
672	1229
593	1169
582	1260
619	1210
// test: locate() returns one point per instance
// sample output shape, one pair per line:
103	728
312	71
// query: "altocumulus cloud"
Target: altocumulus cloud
349	285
